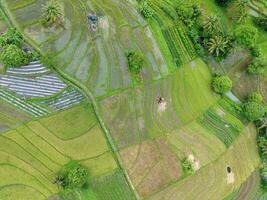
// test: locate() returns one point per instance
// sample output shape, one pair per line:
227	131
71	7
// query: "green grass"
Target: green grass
210	182
111	187
31	154
11	117
71	123
191	90
224	125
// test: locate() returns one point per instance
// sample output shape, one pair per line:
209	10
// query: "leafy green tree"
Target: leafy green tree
221	84
246	35
188	167
52	11
146	10
11	36
255	97
135	61
219	46
253	111
13	56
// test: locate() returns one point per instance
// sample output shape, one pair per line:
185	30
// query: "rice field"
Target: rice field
32	153
47	121
135	112
211	181
97	59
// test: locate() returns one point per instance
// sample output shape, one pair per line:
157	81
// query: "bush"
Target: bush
135	61
188	167
146	10
261	22
253	111
72	176
257	66
222	84
255	97
11	36
13	56
246	35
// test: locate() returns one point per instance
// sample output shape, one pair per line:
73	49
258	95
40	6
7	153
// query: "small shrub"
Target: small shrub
13	56
256	51
253	111
261	22
223	2
257	66
135	61
255	97
188	167
221	84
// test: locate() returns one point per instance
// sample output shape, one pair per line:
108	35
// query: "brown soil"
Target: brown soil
151	165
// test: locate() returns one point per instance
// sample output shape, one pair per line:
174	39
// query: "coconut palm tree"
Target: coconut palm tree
212	25
52	11
219	45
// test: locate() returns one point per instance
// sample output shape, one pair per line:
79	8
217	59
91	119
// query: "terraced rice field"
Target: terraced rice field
32	81
95	58
135	112
211	180
132	145
32	153
11	117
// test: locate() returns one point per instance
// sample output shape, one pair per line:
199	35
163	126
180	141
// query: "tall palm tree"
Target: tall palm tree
219	45
212	25
52	11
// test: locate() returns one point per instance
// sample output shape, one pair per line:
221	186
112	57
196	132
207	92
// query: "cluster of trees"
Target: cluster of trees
52	13
11	53
247	36
221	84
72	176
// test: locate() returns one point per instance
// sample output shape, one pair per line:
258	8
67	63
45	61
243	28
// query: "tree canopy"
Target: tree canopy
221	84
246	35
11	36
253	111
13	56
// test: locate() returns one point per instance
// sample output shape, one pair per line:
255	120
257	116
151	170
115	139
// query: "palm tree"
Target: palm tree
218	45
212	25
52	11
